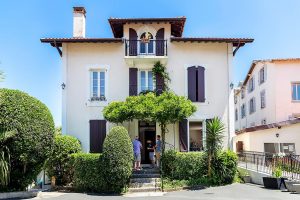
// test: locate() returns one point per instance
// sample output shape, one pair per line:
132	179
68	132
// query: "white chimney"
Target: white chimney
79	22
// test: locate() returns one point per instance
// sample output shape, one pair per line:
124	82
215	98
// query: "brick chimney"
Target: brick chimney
79	22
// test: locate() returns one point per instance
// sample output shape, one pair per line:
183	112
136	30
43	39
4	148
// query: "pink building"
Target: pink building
267	107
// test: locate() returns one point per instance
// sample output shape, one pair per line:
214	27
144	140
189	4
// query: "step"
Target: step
144	189
156	175
142	185
144	180
146	171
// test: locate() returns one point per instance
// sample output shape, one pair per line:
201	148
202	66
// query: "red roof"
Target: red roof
177	24
235	41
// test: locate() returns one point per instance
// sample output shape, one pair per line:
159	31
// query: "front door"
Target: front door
147	132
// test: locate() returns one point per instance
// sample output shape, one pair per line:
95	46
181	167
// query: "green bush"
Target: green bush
192	166
34	127
88	172
57	164
224	168
117	159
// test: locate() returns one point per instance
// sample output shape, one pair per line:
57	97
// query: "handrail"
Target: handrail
154	47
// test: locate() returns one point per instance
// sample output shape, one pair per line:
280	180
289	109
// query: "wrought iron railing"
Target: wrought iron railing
149	48
267	162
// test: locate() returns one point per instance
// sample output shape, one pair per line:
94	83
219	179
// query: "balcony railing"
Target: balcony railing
150	48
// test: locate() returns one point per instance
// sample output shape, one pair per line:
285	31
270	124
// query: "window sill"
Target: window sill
201	103
295	101
96	103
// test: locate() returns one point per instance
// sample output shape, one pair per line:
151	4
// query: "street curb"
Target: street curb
18	195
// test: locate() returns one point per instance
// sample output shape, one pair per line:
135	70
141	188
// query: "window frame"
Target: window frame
263	93
243	111
260	75
251	84
242	93
252	108
99	86
292	89
236	114
146	80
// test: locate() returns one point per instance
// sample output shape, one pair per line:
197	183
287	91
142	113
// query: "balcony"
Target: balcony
139	51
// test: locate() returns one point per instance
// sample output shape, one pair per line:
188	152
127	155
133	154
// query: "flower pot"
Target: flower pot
246	179
271	182
290	185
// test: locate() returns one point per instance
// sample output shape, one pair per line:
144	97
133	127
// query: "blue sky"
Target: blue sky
35	67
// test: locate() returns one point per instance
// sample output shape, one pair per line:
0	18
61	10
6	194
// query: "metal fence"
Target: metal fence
267	162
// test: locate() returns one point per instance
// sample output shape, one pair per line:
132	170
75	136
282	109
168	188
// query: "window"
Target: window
236	114
262	99
235	99
146	44
98	85
252	105
296	91
243	93
146	81
262	75
196	83
251	84
195	136
243	111
275	148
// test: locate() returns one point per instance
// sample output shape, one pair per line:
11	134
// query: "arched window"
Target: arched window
146	43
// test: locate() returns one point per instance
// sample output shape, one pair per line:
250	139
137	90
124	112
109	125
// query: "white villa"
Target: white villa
97	71
267	107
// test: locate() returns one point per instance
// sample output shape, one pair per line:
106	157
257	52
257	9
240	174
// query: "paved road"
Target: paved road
230	192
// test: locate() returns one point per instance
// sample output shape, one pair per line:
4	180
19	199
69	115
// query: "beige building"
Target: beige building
97	71
267	107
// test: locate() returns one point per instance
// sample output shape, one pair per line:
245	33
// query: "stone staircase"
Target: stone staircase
145	180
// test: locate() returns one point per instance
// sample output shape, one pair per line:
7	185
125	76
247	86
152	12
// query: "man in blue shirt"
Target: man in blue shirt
158	150
137	146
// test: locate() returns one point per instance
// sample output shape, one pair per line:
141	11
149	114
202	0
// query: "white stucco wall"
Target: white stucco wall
78	58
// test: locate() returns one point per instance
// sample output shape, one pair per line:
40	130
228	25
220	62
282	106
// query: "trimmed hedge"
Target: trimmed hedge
108	172
88	172
193	166
117	159
57	164
33	124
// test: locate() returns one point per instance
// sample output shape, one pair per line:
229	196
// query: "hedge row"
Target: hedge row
108	172
193	166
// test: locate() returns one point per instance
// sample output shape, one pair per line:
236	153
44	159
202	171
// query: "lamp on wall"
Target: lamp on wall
231	85
277	135
63	85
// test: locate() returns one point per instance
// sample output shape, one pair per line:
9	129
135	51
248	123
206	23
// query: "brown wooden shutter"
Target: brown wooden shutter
160	48
201	85
160	87
192	83
133	81
97	135
239	146
183	135
132	42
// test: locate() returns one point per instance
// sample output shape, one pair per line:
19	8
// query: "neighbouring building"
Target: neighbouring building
267	107
97	71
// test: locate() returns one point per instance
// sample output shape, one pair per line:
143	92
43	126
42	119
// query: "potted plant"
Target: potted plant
274	181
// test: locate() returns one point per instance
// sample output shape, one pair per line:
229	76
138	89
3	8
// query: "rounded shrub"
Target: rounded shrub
31	144
58	163
117	159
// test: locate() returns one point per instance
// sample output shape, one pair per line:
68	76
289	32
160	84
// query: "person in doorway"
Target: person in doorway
150	148
158	150
137	146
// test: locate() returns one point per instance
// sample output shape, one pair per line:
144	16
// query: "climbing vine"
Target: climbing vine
160	69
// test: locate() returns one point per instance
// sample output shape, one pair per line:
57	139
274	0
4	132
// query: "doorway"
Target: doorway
147	131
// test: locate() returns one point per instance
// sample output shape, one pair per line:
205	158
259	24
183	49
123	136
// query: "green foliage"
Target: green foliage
88	172
192	167
183	166
161	70
117	158
214	139
34	131
277	172
57	164
224	168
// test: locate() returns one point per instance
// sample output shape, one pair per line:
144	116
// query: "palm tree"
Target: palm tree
214	140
